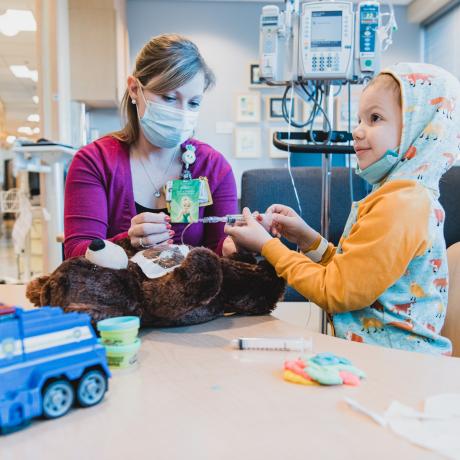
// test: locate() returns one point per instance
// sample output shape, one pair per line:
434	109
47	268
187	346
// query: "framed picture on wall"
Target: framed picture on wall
248	108
274	108
247	142
254	78
273	151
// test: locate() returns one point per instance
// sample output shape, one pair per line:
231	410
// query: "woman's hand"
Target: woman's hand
287	223
251	236
148	229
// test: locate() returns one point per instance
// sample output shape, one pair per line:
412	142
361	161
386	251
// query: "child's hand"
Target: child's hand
251	236
286	222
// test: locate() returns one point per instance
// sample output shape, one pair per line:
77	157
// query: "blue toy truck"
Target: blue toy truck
48	360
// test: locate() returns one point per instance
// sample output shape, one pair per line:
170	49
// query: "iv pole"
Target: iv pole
326	150
326	163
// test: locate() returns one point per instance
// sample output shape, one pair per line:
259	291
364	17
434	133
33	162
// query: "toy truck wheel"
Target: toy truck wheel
91	388
58	398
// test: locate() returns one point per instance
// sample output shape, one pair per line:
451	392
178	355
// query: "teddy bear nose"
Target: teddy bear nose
97	245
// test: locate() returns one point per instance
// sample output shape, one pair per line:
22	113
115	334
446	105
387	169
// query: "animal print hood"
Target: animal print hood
430	139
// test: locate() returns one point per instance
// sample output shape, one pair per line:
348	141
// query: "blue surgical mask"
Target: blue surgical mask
165	126
377	171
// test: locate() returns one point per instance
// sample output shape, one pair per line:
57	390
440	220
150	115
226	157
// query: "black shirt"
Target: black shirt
140	208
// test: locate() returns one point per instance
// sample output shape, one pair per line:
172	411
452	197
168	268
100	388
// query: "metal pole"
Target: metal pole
55	123
328	107
54	204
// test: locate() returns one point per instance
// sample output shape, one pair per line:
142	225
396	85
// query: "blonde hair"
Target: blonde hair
387	81
165	63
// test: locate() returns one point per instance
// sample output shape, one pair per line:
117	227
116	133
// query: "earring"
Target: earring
133	101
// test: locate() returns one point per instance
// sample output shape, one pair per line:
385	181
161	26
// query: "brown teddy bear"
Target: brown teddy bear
167	285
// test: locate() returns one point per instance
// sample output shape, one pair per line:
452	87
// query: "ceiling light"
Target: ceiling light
35	117
15	21
25	130
10	139
22	71
35	99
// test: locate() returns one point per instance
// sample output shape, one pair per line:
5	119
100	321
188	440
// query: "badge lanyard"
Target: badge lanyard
184	196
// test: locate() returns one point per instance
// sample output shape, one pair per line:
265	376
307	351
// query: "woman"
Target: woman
115	185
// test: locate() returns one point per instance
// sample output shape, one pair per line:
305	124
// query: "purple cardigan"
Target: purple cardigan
99	198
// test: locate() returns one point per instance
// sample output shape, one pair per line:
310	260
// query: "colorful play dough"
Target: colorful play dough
324	369
324	359
294	378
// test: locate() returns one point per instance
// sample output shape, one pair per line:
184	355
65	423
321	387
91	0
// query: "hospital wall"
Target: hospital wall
228	36
442	41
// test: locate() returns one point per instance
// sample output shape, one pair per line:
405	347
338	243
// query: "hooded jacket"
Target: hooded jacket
386	282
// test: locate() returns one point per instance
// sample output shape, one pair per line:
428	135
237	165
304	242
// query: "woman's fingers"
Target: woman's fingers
150	217
150	240
148	229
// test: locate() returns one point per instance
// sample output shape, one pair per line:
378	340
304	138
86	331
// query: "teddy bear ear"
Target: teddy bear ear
106	254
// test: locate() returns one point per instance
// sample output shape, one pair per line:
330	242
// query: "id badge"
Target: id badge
205	192
185	198
205	198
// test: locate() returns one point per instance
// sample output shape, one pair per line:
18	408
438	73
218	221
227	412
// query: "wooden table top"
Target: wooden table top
192	396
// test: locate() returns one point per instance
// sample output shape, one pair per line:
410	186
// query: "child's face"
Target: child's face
380	124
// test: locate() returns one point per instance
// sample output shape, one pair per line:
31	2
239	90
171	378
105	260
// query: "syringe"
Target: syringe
228	219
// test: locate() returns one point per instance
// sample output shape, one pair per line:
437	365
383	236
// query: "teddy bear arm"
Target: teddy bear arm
97	312
249	289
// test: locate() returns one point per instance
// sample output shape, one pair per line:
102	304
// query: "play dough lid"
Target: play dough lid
118	323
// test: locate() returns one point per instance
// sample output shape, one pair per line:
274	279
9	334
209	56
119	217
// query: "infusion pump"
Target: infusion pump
278	47
321	40
326	36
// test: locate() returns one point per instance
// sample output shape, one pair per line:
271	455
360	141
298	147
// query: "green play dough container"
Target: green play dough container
122	356
119	331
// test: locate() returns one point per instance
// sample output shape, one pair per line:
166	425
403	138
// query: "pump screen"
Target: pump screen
326	29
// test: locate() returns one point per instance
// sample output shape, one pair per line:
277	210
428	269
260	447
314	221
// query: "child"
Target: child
386	281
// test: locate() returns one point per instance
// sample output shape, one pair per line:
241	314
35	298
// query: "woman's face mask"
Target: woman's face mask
165	126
